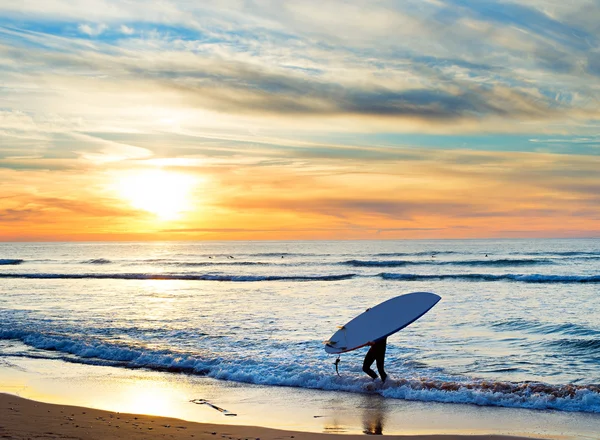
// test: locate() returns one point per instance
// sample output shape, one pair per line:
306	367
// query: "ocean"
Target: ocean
518	325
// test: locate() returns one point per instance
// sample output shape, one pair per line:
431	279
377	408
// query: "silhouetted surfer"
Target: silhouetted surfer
376	354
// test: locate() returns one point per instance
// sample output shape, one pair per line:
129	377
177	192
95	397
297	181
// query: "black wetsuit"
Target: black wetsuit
376	353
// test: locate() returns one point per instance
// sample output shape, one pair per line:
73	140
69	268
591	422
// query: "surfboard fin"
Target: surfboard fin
341	327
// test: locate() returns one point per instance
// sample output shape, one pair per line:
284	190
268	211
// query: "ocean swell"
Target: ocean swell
97	261
544	328
504	262
472	277
588	347
416	254
533	278
183	277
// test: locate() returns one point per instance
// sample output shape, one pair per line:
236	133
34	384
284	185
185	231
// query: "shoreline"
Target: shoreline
287	409
25	419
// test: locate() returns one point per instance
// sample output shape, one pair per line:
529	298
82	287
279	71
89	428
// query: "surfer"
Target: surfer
376	354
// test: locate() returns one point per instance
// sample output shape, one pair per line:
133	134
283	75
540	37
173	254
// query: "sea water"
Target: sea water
518	324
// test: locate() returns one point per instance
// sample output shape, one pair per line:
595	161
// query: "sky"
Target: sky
232	119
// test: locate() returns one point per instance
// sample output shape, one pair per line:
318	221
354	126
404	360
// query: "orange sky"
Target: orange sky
456	194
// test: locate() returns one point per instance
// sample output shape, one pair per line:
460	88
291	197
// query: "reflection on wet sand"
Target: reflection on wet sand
374	415
374	412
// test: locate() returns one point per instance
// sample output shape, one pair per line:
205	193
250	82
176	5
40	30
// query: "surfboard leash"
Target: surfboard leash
336	363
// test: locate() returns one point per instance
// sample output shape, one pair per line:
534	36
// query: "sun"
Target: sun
163	193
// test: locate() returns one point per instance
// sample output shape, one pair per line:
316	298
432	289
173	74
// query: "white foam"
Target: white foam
265	372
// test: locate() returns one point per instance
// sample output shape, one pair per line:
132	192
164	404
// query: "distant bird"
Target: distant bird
209	257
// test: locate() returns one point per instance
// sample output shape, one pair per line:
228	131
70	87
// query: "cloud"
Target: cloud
61	210
92	30
244	88
101	151
93	209
246	230
279	230
34	163
10	215
383	115
126	30
277	64
405	210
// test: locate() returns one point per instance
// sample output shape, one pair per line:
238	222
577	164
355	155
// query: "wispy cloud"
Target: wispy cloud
126	29
412	117
92	30
229	72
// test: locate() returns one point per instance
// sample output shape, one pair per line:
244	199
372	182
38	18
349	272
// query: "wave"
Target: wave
501	262
505	262
97	261
562	253
473	277
369	263
545	328
10	261
587	347
533	278
168	262
534	395
183	277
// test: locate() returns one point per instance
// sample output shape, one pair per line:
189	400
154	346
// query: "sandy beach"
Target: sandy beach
28	419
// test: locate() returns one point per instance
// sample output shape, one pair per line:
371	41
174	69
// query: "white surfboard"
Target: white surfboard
381	321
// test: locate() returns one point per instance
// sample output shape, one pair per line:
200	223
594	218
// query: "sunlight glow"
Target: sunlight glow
163	193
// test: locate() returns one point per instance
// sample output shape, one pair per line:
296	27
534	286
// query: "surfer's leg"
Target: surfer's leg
369	359
380	362
380	358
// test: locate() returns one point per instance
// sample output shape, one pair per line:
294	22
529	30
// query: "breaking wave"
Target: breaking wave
533	395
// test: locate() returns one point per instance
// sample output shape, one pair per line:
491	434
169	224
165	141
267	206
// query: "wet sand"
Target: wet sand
27	419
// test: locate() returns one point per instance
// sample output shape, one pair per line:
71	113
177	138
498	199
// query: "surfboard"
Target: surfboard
381	321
